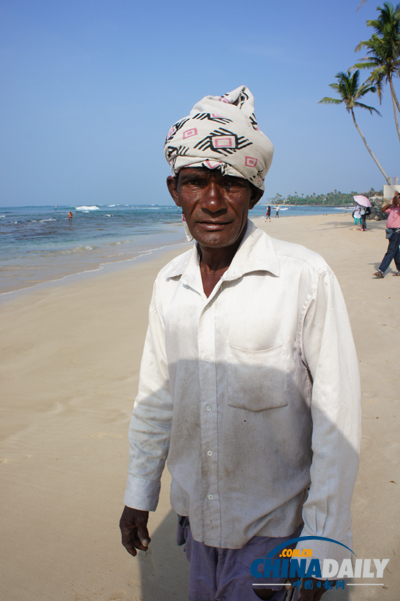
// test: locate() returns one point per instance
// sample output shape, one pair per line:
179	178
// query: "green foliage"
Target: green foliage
350	91
334	198
383	48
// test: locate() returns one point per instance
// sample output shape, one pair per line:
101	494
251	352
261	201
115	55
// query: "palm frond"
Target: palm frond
371	109
361	3
327	100
375	24
368	64
361	45
365	89
349	91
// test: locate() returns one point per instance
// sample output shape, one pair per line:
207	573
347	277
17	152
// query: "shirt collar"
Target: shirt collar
255	253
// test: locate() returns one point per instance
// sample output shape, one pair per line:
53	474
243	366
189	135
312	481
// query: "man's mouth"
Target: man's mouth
213	225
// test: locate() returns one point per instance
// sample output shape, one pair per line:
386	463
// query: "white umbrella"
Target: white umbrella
362	200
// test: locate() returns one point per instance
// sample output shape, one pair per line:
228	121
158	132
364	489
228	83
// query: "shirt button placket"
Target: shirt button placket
207	372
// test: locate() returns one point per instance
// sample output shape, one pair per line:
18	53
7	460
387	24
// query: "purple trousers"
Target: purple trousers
224	574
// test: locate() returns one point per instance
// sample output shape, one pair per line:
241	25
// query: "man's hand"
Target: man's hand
133	525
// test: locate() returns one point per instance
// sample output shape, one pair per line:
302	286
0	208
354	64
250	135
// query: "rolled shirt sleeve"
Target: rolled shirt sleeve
330	355
150	426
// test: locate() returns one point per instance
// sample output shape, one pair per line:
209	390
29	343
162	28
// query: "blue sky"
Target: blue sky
89	89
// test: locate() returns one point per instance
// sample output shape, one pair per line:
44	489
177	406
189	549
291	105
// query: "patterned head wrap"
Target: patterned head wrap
221	132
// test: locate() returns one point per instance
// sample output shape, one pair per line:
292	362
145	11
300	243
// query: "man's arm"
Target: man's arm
330	354
149	434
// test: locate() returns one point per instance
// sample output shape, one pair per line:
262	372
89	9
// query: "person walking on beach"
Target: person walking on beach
393	233
257	417
363	216
357	217
277	211
268	214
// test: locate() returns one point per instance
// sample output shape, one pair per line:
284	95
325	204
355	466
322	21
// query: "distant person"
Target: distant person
70	215
277	211
268	214
393	233
363	215
357	217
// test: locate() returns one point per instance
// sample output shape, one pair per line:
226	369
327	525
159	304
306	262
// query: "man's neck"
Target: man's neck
214	262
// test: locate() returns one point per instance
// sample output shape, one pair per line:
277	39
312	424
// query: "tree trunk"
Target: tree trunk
394	97
368	148
395	102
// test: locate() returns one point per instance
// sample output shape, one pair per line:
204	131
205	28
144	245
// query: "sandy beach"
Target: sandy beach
70	358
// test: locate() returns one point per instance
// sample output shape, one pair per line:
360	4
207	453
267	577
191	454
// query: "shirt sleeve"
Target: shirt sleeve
330	355
150	426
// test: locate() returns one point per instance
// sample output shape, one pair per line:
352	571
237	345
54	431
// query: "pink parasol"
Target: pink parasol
362	200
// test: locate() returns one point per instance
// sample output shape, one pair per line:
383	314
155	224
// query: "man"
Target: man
249	379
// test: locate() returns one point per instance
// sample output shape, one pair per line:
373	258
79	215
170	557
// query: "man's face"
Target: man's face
215	206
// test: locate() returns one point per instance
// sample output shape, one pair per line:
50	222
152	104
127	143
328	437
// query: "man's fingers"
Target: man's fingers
143	535
126	537
130	539
134	533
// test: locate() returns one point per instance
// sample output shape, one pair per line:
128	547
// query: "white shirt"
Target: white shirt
252	395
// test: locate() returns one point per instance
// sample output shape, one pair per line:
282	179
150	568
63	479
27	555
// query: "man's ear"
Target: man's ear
256	194
172	184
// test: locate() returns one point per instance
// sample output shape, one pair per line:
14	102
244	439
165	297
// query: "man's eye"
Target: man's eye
195	182
234	183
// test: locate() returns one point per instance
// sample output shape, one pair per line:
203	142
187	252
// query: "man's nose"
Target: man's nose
213	198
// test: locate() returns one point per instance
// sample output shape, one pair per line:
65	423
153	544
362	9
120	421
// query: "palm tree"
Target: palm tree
350	92
383	50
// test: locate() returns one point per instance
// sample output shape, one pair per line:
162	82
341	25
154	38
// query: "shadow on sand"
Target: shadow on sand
164	569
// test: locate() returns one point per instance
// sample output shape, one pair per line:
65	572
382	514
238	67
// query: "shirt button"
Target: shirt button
207	358
208	407
210	497
209	453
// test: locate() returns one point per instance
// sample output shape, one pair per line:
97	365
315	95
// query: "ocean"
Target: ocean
41	244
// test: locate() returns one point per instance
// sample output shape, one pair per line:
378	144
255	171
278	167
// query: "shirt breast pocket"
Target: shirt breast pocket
257	380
